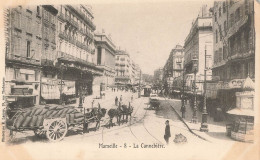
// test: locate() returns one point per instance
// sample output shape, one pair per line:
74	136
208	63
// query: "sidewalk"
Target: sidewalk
217	130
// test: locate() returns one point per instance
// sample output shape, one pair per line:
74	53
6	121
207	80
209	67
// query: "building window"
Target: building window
215	15
16	73
216	36
225	26
99	56
17	19
38	11
17	45
231	19
28	24
220	33
28	53
237	15
26	77
219	12
224	7
36	76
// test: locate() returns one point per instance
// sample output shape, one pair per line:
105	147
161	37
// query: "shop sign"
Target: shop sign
236	83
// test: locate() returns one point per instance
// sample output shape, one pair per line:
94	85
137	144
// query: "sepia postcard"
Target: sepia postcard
129	79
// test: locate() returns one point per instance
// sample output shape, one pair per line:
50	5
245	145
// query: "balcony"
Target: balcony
235	27
47	62
89	21
62	16
21	59
73	58
72	40
71	21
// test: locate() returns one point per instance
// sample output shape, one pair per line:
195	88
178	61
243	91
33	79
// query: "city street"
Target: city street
145	128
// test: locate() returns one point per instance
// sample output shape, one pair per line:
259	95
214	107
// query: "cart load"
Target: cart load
33	117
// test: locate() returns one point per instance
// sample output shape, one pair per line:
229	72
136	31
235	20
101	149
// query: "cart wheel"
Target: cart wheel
57	130
40	133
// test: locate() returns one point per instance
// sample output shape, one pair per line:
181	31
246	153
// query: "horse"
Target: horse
95	115
114	113
126	111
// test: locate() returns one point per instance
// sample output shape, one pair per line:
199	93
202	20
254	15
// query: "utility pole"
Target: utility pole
194	117
183	108
204	125
81	90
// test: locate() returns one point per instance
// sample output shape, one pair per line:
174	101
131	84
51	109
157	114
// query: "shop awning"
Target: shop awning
241	112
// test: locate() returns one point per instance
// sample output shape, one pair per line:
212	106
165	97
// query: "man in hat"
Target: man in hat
116	101
167	133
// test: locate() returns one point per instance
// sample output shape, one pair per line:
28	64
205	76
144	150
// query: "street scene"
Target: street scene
99	80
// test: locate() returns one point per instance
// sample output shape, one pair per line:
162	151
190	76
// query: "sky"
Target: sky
147	30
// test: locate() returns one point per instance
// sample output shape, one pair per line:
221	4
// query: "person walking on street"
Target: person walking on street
83	98
167	133
121	98
116	101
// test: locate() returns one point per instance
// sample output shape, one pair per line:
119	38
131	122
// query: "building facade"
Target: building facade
199	41
49	83
123	68
173	68
157	78
22	57
105	51
234	46
237	60
76	57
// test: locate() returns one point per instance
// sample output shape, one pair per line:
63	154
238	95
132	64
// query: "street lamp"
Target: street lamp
195	66
204	125
183	109
81	88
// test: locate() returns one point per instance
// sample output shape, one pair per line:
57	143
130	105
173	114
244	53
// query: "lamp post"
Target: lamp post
80	93
194	117
183	108
204	125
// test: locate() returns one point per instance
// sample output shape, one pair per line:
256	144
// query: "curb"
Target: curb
180	118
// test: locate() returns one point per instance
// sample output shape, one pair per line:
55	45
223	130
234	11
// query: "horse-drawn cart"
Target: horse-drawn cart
154	102
52	121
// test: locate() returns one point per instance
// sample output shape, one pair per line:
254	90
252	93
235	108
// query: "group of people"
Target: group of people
121	99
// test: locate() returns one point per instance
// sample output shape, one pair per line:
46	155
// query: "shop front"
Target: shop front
242	128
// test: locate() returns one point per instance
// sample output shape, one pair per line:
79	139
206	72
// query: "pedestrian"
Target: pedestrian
83	98
167	133
132	98
116	101
121	98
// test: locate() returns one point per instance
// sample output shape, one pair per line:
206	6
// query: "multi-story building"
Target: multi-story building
123	68
234	46
23	56
199	41
68	53
157	78
75	48
237	60
173	67
105	50
49	85
138	74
